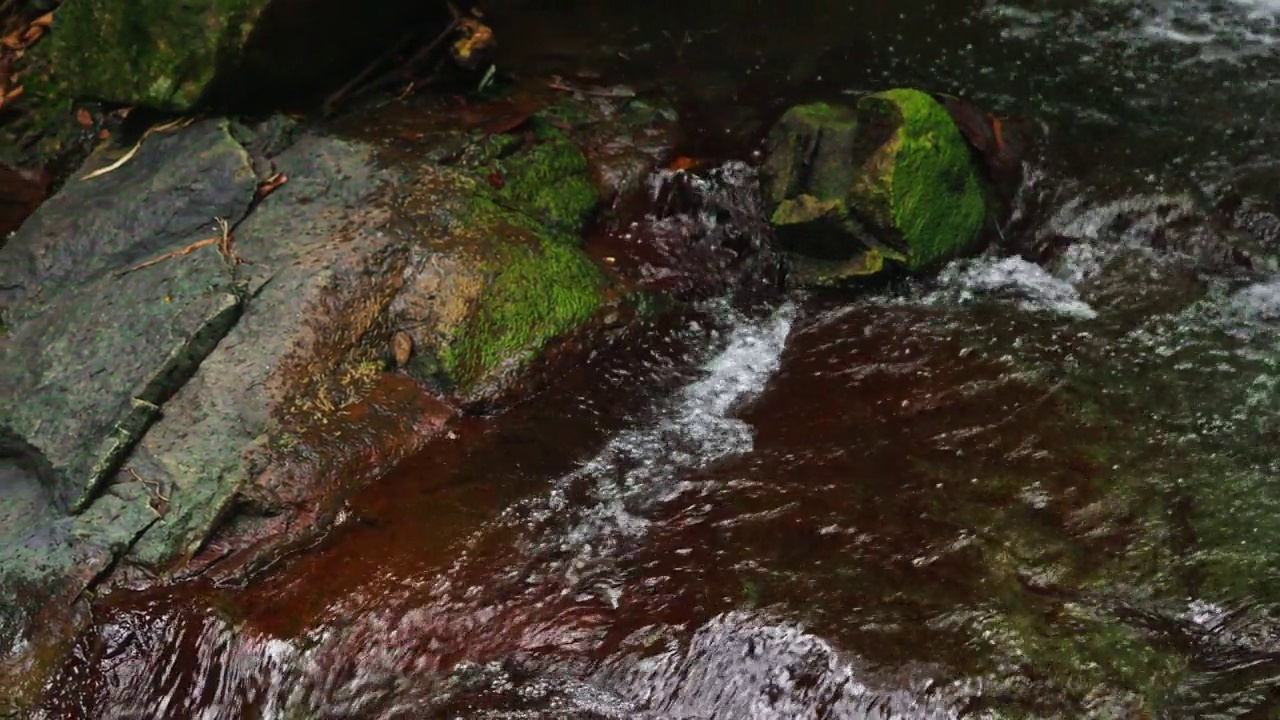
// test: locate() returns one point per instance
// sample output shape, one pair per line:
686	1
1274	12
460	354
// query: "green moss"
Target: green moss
935	196
540	286
550	182
140	52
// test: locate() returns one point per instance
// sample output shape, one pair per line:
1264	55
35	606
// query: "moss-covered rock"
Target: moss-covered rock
141	52
532	285
500	282
890	179
549	182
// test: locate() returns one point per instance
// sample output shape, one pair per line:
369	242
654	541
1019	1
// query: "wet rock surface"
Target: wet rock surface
175	409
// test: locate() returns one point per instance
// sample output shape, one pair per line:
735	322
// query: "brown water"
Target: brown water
1013	492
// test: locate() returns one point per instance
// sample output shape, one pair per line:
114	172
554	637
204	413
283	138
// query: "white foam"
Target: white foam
742	665
1260	301
640	466
1031	286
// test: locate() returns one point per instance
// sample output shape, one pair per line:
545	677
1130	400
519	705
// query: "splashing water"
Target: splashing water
643	467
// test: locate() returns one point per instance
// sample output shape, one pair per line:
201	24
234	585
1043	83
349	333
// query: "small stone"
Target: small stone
401	348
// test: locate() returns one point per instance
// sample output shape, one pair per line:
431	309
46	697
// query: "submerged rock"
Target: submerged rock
175	406
890	180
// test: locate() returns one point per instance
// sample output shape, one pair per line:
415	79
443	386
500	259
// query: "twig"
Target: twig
153	493
223	239
169	255
224	243
406	69
340	94
174	125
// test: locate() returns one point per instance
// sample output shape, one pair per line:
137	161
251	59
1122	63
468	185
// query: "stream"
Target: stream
1014	490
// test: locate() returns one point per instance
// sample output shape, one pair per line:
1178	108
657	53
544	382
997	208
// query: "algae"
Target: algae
811	151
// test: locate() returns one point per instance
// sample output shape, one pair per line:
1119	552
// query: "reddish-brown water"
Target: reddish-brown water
1010	493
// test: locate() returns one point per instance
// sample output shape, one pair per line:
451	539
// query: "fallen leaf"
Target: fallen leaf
84	118
44	20
508	123
474	45
683	163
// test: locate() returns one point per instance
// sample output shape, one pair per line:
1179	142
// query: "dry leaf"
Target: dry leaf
474	44
84	118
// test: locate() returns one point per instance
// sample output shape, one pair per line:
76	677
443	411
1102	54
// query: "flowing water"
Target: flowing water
1015	491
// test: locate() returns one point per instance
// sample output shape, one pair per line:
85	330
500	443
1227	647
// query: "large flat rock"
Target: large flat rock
92	350
206	412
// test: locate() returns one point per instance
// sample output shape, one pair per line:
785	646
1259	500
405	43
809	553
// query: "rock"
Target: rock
201	416
90	357
526	198
890	180
142	53
171	57
528	283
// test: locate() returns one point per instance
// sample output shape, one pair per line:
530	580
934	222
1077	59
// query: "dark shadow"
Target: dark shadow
301	50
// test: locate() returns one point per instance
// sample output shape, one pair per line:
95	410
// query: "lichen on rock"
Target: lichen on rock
889	179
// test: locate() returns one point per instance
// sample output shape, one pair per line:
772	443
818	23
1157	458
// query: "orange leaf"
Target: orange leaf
84	118
683	163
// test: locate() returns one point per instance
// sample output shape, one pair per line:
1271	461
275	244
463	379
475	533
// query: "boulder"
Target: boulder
174	405
888	182
171	56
